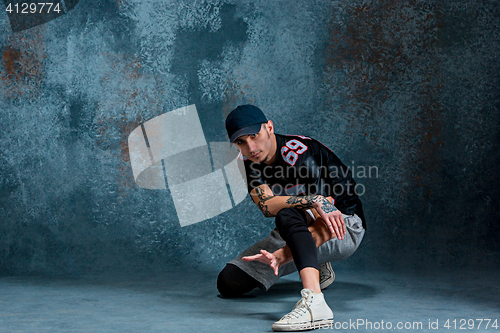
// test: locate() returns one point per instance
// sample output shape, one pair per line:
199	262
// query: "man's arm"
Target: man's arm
270	205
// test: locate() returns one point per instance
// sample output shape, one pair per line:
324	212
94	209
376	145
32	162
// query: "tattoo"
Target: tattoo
327	206
303	202
307	201
262	202
300	202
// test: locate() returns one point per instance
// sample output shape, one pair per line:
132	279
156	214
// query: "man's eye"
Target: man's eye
254	135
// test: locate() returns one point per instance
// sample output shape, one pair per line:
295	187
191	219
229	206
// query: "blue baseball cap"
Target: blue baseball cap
244	120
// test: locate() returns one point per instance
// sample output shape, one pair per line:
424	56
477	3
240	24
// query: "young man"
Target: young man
319	217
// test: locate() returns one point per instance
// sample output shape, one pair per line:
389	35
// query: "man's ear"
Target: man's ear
270	127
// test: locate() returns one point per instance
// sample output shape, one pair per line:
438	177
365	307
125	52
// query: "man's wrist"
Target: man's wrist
317	201
283	255
322	203
278	254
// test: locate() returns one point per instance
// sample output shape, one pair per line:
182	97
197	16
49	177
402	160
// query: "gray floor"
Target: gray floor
188	302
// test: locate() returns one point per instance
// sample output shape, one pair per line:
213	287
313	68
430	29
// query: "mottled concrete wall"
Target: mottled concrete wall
410	87
420	81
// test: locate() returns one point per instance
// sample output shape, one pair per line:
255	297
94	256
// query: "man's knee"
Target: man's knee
234	282
290	220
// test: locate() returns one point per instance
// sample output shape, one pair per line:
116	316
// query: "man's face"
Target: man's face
258	147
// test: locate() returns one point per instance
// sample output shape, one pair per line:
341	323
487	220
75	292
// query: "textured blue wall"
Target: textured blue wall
409	87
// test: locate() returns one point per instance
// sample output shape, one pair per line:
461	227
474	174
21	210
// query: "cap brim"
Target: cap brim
252	129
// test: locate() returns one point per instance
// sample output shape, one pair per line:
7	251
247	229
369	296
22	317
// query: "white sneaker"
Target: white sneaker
326	275
310	312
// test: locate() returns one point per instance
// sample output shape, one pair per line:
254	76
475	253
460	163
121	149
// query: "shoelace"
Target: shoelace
299	308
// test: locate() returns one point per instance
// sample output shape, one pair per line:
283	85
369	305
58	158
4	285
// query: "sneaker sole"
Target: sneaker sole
324	324
330	280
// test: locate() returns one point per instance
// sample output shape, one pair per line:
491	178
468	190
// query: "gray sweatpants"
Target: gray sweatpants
333	250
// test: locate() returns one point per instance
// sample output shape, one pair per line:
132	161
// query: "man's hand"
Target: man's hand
265	258
331	216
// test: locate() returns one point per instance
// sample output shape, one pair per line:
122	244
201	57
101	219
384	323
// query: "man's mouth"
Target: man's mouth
256	154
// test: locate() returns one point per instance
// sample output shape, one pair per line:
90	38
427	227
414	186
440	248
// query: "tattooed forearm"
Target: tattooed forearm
263	198
303	202
271	207
261	194
265	210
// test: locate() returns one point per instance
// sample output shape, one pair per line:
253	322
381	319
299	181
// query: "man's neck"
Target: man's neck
273	151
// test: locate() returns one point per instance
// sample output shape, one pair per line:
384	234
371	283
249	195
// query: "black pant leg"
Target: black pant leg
233	281
292	226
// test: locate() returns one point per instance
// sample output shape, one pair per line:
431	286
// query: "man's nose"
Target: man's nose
251	145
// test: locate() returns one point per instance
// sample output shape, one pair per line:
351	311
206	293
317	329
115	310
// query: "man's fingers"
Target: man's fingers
330	226
258	256
341	225
331	230
272	260
336	224
337	231
327	220
267	254
251	258
274	266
